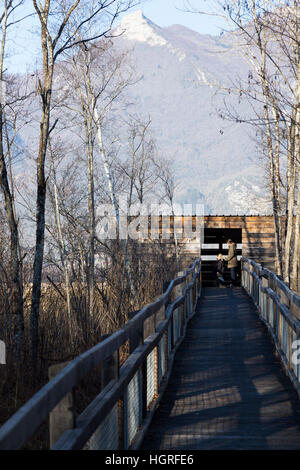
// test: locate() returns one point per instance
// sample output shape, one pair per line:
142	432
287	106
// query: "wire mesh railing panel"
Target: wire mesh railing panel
150	377
106	437
134	403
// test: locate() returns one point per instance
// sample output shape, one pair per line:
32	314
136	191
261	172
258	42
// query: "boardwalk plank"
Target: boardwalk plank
227	389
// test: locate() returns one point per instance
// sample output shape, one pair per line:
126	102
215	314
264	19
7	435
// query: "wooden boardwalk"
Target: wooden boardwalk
227	389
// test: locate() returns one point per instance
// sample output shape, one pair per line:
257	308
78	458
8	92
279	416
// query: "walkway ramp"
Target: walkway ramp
227	389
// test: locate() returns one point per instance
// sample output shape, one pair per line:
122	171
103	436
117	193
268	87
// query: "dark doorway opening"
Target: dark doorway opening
214	243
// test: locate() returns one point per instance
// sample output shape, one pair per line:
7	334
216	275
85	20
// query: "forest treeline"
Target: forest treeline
70	142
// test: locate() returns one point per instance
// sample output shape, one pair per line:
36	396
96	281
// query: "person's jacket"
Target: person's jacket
220	266
232	257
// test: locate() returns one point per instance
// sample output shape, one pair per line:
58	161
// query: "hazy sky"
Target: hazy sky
24	47
168	12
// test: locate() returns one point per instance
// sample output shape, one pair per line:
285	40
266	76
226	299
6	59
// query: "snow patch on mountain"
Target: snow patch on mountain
136	27
201	77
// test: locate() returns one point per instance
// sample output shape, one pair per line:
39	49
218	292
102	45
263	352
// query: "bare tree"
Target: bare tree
268	36
97	75
166	175
61	242
140	180
9	9
58	35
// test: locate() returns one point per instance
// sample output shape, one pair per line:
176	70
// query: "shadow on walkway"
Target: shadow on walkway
227	389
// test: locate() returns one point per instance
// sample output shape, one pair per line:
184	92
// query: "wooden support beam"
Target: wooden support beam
62	417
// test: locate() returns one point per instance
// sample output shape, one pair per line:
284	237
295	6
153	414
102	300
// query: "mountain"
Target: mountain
182	73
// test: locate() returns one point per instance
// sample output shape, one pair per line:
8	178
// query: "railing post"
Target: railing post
273	314
279	327
194	293
110	369
62	417
166	350
172	329
275	321
265	308
182	318
137	336
249	282
260	296
290	336
123	421
186	304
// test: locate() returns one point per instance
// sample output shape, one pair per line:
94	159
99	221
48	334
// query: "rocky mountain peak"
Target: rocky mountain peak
136	27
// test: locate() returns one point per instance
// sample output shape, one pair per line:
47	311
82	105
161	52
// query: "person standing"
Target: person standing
232	261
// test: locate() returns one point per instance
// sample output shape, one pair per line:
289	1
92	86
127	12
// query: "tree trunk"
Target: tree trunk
91	207
106	167
40	222
291	192
296	258
295	277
